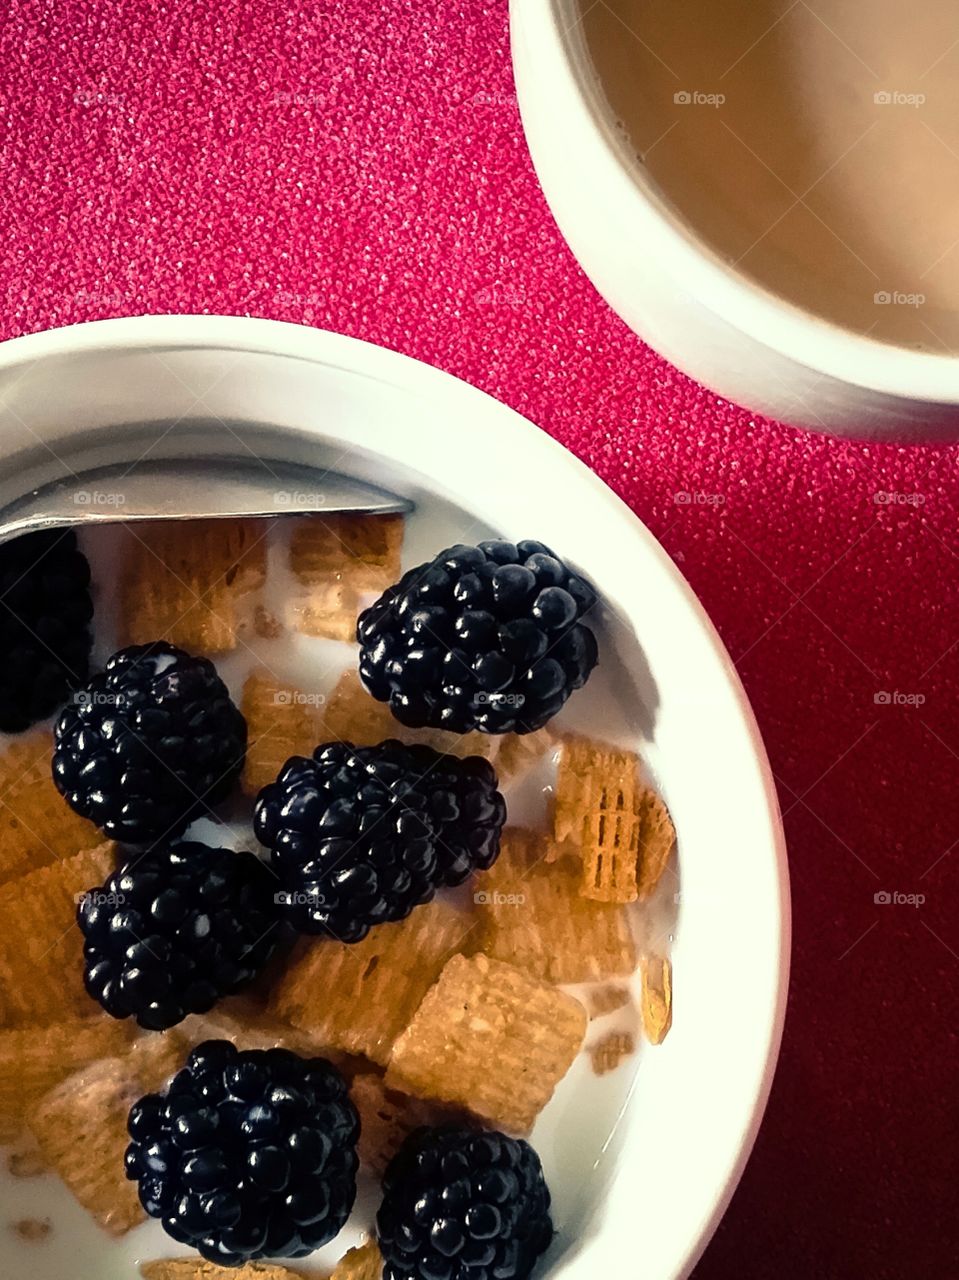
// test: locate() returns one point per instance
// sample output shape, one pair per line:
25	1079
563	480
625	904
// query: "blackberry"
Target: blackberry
361	835
150	744
45	613
248	1154
486	637
174	930
462	1205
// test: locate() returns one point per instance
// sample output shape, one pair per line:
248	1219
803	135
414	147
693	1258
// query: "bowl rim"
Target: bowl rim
822	346
242	335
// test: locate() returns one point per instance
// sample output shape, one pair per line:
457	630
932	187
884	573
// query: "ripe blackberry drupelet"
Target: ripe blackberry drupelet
45	613
174	930
150	744
361	835
462	1205
247	1154
485	637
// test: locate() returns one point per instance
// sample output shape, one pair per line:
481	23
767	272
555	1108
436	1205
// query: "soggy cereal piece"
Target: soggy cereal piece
534	917
363	1263
361	549
282	721
620	827
266	624
607	1054
351	714
656	1004
41	948
491	1039
32	1230
359	997
34	1059
156	1057
388	1117
337	559
241	1021
200	1269
26	1161
656	840
37	826
474	743
519	752
607	999
81	1130
80	1126
329	609
182	579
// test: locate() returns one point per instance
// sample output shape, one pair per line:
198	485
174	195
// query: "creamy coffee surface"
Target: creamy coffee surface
813	145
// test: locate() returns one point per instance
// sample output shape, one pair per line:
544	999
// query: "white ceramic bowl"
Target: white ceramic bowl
217	386
676	292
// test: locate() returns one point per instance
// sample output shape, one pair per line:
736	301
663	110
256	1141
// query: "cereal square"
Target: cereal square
491	1039
365	549
37	826
359	997
520	752
182	579
34	1059
351	714
245	1024
282	721
81	1127
620	827
337	559
388	1117
41	947
602	1001
534	917
611	1051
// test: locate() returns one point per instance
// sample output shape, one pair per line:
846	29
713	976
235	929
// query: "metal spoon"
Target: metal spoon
189	489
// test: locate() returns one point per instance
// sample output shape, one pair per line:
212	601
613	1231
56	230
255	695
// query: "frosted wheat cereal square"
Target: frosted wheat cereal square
41	946
182	578
520	752
611	1051
359	997
336	560
247	1025
388	1117
620	827
282	721
81	1129
34	1059
363	548
607	999
352	714
534	917
37	826
490	1039
80	1126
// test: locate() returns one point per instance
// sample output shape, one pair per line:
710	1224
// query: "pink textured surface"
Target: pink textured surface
361	167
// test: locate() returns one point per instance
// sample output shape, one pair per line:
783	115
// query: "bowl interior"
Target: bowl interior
658	1150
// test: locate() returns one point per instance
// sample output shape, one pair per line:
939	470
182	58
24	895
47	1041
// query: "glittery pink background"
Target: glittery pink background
360	166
